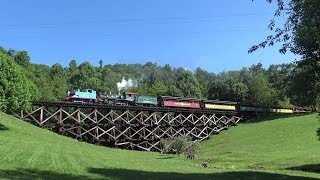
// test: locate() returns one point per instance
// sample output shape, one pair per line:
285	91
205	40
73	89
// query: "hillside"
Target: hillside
279	142
279	148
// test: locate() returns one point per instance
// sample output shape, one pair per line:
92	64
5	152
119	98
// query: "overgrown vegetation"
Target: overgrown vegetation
277	85
181	145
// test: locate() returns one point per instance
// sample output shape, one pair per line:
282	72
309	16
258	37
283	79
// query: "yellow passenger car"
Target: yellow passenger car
281	110
219	105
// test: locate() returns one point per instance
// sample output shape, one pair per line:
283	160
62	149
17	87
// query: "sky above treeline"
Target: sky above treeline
213	35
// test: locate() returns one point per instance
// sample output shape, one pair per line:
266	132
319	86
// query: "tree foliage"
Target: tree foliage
16	90
255	84
300	32
188	84
21	57
261	91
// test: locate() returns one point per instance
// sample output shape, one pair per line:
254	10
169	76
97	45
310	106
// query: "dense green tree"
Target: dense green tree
59	81
85	74
151	73
22	58
239	91
203	78
188	84
256	69
109	79
15	89
73	75
168	75
158	89
57	70
303	89
73	66
3	50
87	78
100	63
280	76
11	52
228	86
260	90
39	74
174	91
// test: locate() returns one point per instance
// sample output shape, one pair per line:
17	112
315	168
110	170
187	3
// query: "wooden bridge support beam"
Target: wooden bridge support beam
128	128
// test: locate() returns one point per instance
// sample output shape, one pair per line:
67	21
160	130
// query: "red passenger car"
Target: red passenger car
169	101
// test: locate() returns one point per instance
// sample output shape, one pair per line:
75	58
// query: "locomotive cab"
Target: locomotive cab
129	96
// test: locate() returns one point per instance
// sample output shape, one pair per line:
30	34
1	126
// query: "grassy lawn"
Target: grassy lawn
277	142
280	148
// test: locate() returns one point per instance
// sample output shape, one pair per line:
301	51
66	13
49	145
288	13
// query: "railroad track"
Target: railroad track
137	108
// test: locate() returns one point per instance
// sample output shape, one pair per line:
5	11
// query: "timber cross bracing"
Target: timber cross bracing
132	129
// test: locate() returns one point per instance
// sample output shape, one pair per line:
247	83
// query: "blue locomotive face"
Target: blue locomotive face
87	95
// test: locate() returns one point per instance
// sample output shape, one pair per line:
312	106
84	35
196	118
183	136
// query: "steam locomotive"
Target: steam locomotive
134	99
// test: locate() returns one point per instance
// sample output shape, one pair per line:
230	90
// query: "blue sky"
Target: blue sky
213	35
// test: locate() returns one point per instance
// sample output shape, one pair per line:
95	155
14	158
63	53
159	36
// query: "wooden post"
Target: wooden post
60	116
21	114
41	117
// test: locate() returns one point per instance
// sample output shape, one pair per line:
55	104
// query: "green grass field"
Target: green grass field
270	148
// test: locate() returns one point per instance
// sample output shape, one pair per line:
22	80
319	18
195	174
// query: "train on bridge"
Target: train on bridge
132	121
134	99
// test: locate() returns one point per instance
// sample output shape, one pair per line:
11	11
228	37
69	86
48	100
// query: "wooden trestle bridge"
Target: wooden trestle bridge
130	127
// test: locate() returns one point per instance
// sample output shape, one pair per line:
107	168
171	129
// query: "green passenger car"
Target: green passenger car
247	108
147	100
253	109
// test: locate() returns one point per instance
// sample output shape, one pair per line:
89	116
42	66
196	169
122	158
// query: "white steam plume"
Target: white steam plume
125	84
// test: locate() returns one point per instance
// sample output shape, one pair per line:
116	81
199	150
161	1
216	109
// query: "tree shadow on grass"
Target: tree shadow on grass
166	156
106	173
315	168
36	174
3	128
136	174
270	117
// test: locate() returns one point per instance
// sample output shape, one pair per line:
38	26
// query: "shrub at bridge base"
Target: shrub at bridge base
181	145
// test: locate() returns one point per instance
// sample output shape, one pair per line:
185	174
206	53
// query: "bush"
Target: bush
191	149
181	145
